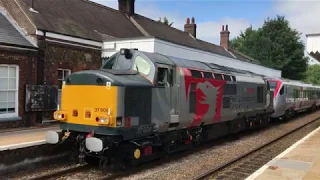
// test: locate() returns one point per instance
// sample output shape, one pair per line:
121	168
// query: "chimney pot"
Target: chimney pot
191	28
192	20
227	27
222	27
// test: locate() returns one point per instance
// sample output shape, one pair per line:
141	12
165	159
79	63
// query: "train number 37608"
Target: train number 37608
101	110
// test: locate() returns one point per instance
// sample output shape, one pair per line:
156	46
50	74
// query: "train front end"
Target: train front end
100	108
278	101
89	104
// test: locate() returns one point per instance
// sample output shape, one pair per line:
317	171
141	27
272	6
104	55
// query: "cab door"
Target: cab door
165	80
166	84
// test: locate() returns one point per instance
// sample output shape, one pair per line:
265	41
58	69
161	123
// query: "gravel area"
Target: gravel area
210	155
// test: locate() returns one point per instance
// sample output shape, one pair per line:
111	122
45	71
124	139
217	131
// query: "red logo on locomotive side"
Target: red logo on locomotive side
208	98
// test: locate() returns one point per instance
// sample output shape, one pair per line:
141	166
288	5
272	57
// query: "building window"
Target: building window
62	74
9	91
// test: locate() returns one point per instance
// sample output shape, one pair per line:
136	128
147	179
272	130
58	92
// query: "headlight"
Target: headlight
102	120
60	115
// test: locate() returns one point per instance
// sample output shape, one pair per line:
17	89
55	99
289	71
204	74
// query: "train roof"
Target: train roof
293	82
195	64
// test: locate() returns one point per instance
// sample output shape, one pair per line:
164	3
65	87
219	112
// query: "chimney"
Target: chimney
191	27
126	6
224	37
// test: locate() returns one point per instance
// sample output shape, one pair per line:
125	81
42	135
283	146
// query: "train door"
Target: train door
166	81
282	100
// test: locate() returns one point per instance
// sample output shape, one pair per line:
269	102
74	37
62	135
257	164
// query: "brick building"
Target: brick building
70	34
17	68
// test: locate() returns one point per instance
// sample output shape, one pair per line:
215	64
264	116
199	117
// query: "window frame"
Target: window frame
16	103
63	70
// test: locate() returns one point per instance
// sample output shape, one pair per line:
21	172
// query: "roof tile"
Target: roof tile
10	35
80	18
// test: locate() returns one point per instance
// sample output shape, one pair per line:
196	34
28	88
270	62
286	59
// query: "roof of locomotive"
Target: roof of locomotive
195	64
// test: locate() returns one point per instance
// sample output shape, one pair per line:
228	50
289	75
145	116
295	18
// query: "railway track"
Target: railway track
244	165
64	172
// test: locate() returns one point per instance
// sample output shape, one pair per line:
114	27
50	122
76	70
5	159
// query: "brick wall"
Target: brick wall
67	57
22	59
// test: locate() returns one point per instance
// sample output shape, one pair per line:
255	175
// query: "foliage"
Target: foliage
165	21
275	45
313	74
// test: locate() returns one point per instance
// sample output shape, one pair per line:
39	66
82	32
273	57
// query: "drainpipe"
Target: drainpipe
40	70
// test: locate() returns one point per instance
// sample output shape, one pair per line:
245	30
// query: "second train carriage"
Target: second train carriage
293	96
140	103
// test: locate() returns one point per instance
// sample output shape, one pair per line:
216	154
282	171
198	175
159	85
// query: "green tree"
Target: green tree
165	21
275	45
313	74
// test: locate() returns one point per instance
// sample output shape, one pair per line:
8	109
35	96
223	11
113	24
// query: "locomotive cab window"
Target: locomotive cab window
164	79
110	62
142	66
282	90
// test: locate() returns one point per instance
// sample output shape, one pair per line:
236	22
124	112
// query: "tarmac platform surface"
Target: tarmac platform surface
300	161
24	137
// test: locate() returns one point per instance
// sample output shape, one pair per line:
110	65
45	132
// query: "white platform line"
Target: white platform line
22	145
264	167
26	131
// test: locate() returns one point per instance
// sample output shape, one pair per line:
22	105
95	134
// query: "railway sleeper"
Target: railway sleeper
241	169
235	175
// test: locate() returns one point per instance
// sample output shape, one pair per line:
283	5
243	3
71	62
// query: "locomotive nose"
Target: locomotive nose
89	96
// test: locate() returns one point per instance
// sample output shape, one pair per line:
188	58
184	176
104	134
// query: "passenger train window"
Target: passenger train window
142	65
207	75
196	74
218	76
282	90
227	78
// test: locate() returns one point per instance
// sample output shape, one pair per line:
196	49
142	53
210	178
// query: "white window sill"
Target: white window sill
8	118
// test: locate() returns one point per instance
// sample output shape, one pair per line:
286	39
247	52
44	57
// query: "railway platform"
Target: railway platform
300	161
24	137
